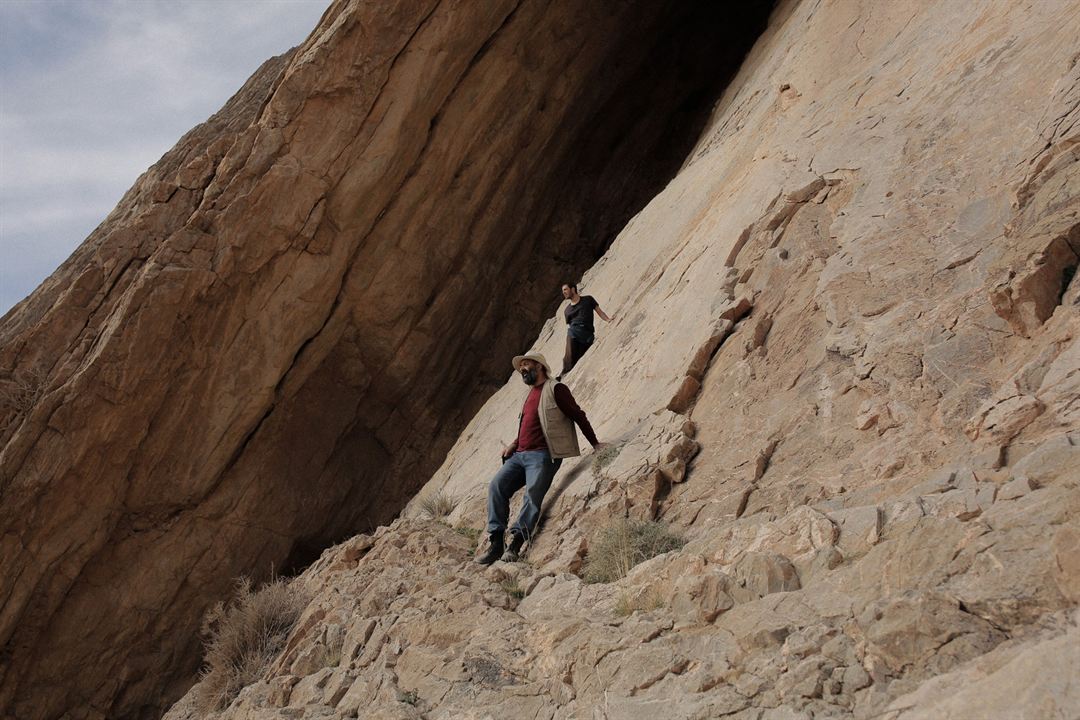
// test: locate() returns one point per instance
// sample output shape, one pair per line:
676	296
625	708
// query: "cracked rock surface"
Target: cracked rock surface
845	365
234	371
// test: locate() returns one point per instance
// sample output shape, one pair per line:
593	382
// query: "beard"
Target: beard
529	377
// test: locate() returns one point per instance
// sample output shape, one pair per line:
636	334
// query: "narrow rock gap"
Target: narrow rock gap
657	86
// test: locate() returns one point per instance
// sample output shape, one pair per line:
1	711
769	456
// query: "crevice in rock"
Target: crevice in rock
1028	296
658	87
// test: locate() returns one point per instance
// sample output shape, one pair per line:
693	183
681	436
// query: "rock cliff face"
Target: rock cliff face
845	363
274	339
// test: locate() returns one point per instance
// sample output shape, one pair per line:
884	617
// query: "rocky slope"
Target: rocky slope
845	363
274	339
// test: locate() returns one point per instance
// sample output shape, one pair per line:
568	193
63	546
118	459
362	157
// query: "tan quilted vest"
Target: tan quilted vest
559	430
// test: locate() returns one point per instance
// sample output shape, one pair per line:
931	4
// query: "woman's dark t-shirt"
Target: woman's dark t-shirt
580	316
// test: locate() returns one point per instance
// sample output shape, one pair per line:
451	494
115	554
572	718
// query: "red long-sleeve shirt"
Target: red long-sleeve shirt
531	433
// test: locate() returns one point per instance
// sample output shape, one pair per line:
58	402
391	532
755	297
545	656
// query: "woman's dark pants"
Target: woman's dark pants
574	350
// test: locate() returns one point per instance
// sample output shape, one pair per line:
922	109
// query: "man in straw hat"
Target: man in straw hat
546	435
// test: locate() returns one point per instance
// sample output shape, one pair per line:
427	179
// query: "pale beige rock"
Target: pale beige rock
1056	459
1002	419
1014	677
759	574
1030	297
1065	547
1016	488
1007	572
700	597
924	633
961	503
235	370
859	529
867	180
798	536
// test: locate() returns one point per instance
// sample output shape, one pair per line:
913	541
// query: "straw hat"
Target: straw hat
537	357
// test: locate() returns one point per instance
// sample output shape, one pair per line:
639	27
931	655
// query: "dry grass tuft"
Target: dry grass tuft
625	543
512	588
437	505
603	458
651	600
244	636
471	534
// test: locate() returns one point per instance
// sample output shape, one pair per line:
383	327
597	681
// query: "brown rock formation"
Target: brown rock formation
277	334
845	363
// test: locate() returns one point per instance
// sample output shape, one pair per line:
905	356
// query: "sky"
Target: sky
93	92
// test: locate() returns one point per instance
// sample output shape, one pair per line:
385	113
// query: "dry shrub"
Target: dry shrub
625	543
19	394
244	636
437	505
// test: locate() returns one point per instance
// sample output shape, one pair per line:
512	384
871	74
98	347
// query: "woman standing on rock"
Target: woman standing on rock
579	321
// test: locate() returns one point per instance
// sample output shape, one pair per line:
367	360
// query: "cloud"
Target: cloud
92	92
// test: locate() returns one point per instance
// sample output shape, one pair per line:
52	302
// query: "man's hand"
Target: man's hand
508	450
600	447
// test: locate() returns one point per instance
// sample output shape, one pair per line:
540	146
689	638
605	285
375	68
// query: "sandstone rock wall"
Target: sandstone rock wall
272	341
845	363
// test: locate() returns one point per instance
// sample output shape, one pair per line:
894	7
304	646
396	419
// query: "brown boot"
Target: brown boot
494	551
513	553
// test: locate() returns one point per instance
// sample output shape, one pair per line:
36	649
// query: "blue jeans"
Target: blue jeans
531	469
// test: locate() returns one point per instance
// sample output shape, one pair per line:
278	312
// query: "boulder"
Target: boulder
759	574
